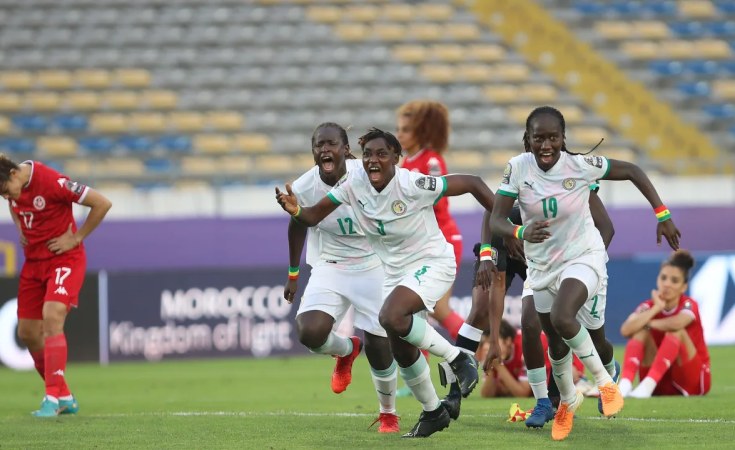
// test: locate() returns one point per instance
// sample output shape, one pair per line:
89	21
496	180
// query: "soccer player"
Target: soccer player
345	271
423	131
394	207
666	346
564	252
509	377
40	201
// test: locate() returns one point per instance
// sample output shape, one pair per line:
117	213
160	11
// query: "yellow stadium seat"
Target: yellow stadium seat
677	48
148	122
614	29
54	79
711	48
56	146
303	162
192	185
108	123
9	101
326	14
411	54
572	114
724	89
640	49
475	72
500	157
79	168
539	93
510	72
398	12
651	29
42	101
82	100
93	78
462	31
438	73
274	164
459	160
225	120
621	153
426	31
448	52
124	100
504	93
438	12
586	135
520	113
697	9
114	186
122	167
199	165
212	143
252	143
16	80
186	121
360	13
136	78
352	31
485	52
159	99
5	125
235	164
389	31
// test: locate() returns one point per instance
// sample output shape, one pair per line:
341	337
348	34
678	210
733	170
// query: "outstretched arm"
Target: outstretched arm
459	184
622	170
308	215
602	220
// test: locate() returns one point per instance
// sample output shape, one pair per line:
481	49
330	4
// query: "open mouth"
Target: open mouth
327	163
546	157
374	174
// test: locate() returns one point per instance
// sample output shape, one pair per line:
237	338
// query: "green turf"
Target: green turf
287	403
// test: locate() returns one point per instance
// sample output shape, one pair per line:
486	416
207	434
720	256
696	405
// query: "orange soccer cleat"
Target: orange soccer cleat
564	418
612	399
388	423
342	375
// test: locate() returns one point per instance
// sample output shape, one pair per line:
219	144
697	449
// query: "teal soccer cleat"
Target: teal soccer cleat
68	406
48	409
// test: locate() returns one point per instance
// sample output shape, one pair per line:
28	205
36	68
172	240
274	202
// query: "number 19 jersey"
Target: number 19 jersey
561	197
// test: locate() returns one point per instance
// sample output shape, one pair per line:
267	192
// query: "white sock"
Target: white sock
66	398
418	379
584	348
645	388
335	345
470	332
52	398
423	336
538	382
625	387
386	382
562	372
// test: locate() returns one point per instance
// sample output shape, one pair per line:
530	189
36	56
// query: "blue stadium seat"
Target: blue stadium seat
660	8
17	145
175	143
720	110
695	89
159	165
701	67
720	28
71	122
728	66
666	67
687	29
97	144
631	8
135	143
589	8
726	6
56	165
30	123
732	130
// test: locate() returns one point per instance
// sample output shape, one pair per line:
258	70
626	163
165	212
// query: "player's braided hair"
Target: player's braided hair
429	122
681	259
342	133
541	110
6	165
376	133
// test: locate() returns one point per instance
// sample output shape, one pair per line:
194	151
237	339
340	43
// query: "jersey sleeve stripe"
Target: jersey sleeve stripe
607	171
444	189
506	193
334	200
84	195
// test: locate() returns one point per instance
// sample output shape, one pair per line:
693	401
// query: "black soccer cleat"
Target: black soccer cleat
452	403
464	367
429	423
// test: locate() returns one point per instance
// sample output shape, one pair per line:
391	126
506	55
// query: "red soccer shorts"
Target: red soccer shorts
57	279
692	377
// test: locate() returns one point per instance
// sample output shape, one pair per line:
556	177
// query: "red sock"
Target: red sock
426	354
38	361
632	359
55	352
665	357
452	323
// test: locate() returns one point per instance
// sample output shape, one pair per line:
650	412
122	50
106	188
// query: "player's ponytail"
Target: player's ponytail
683	260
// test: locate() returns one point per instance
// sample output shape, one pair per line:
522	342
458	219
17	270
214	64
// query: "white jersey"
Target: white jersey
399	221
560	196
338	238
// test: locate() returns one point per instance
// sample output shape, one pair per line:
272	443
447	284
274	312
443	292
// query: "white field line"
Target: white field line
372	415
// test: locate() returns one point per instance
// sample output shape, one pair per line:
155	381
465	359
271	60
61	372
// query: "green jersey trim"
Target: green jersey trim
334	200
506	193
444	189
608	168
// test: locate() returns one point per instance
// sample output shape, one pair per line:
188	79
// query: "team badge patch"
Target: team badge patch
427	183
569	184
75	187
39	202
506	174
398	207
594	161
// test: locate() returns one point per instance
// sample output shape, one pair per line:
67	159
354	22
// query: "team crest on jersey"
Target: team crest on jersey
506	174
569	184
594	161
39	202
427	183
398	207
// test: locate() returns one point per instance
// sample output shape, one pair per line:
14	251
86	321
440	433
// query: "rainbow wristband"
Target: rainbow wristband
293	273
486	252
518	232
662	213
298	211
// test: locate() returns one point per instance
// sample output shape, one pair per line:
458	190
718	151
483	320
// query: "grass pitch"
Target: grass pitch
287	403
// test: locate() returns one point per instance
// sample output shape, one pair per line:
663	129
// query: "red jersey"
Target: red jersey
429	162
688	306
516	365
45	209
